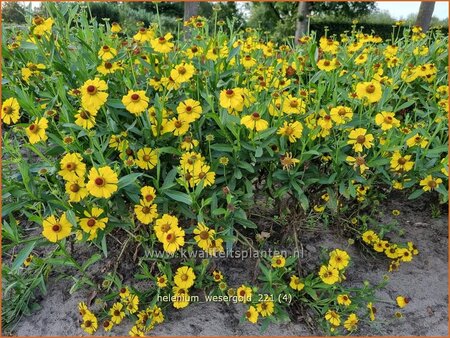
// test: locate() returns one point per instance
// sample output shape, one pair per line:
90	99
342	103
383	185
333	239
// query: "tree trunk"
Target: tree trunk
190	9
425	13
301	28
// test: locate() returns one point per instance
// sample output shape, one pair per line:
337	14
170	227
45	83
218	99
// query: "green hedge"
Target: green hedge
383	30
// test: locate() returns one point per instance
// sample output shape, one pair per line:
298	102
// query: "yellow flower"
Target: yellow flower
371	91
361	59
132	303
85	119
359	138
144	34
351	322
145	212
28	261
429	183
344	300
248	62
372	311
254	122
107	325
117	313
10	109
252	315
173	239
161	281
72	167
93	95
148	193
386	120
76	190
162	44
216	246
278	261
107	53
265	307
217	276
232	99
31	69
401	163
194	51
402	301
184	277
201	173
296	283
288	162
417	140
136	102
293	105
203	236
36	130
41	25
333	318
188	143
89	323
329	274
178	126
370	237
341	114
244	294
164	225
358	162
329	45
109	67
93	223
189	110
339	259
327	65
182	72
102	182
115	27
291	130
56	229
181	297
147	158
136	332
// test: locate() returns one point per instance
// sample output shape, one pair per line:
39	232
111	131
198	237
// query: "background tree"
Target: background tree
13	12
426	10
190	9
286	18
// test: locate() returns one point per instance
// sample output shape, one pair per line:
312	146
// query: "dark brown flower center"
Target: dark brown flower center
91	222
56	227
135	97
99	182
108	65
204	235
74	187
91	89
145	210
370	89
182	70
361	139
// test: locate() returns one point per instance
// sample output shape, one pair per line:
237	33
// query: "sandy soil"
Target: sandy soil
424	280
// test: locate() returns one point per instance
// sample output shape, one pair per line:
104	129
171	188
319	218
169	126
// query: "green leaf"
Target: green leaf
233	53
416	194
169	180
22	255
71	217
179	196
258	152
246	223
128	179
246	166
222	147
94	258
